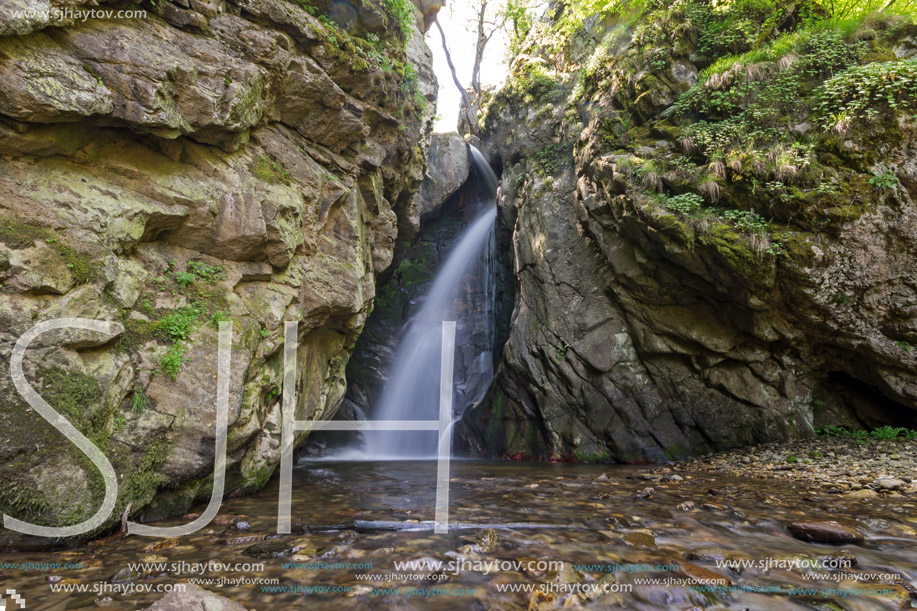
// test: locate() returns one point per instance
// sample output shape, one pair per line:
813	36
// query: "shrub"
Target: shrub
886	433
403	13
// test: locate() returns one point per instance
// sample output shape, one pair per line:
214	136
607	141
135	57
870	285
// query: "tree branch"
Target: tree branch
466	103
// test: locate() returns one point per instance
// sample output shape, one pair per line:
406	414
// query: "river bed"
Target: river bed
508	522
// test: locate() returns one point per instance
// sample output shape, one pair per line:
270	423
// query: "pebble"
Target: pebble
890	483
863	493
875	469
702	575
269	549
640	539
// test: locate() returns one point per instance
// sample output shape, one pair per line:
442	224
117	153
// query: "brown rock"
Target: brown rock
640	539
864	493
825	531
702	575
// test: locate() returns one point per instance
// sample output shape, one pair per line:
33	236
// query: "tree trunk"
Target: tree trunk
470	115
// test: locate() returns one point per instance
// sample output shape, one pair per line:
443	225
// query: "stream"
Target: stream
352	519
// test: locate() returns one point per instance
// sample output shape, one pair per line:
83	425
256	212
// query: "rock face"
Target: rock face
241	160
447	170
679	290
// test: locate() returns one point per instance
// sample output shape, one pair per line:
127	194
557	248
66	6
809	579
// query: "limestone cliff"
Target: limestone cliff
243	160
713	228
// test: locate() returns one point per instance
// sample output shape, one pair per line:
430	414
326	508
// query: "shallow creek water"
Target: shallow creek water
380	513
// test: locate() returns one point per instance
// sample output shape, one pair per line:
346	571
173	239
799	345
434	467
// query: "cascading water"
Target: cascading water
463	291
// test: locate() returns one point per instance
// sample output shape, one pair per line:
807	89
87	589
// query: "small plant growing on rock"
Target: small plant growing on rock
185	278
179	324
217	317
561	351
684	203
747	220
172	360
138	400
197	270
884	181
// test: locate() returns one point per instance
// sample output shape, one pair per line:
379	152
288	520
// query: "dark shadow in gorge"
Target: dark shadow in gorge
399	295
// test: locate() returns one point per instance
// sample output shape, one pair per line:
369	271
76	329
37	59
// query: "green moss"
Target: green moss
553	157
17	234
494	436
733	249
413	272
532	441
533	83
79	265
676	452
269	169
139	484
258	477
601	457
20	499
136	333
76	396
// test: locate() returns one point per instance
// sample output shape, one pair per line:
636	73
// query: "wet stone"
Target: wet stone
270	549
825	531
841	559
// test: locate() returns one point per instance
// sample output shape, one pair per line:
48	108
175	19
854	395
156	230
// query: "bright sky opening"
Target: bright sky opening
458	21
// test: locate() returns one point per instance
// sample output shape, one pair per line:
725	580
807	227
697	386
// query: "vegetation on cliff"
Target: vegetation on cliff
251	162
759	129
737	176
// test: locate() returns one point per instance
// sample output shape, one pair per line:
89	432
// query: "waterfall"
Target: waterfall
463	290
